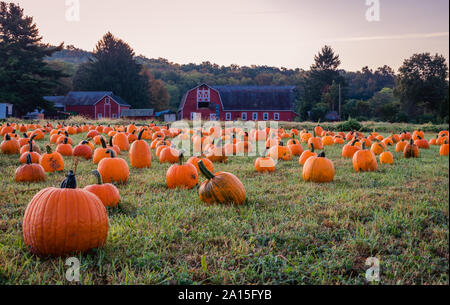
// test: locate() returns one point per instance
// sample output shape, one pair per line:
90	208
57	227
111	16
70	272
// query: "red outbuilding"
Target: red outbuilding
246	103
94	105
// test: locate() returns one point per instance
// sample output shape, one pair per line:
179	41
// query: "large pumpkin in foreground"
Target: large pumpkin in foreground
318	169
221	187
66	220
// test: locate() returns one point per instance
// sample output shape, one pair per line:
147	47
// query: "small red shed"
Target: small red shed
247	103
95	104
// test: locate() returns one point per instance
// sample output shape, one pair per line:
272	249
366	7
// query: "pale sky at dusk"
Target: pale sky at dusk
282	33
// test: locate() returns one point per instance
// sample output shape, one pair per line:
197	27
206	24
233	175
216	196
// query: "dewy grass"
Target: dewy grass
289	232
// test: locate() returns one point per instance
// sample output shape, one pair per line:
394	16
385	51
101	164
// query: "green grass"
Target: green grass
289	232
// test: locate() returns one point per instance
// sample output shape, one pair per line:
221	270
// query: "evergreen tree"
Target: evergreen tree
25	77
114	68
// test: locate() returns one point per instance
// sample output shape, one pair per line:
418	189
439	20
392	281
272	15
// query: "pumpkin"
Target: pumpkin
265	163
318	169
243	147
24	141
169	155
280	152
133	137
33	155
316	141
295	147
377	148
350	149
66	220
327	140
306	155
422	143
121	140
221	187
411	150
140	153
400	146
116	148
182	175
52	161
386	157
364	160
100	153
65	148
83	150
216	153
113	169
107	192
194	161
10	146
443	151
29	172
26	148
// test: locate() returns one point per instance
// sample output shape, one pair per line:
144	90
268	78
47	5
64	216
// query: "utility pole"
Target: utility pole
340	101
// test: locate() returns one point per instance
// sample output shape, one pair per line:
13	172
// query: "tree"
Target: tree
159	97
25	77
114	68
323	73
422	85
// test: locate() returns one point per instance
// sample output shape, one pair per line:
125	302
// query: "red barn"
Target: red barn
95	105
229	103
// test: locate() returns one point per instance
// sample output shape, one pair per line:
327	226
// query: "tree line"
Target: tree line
29	69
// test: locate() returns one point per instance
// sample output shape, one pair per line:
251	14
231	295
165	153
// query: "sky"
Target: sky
280	33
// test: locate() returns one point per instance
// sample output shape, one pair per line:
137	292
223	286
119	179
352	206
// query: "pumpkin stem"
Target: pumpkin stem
111	152
29	159
364	145
70	182
66	139
25	135
322	155
312	147
181	157
49	149
84	142
7	137
140	133
110	141
204	170
99	177
30	145
102	140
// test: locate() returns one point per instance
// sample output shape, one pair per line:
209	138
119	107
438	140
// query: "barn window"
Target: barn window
276	116
196	116
99	116
255	116
244	116
228	116
114	116
266	116
203	98
107	101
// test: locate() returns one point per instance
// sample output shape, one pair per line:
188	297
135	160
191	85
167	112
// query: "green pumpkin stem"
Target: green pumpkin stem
7	137
99	177
70	182
204	170
322	155
49	149
29	159
140	134
102	140
312	147
111	152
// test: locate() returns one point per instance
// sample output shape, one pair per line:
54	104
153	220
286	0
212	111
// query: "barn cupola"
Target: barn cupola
203	97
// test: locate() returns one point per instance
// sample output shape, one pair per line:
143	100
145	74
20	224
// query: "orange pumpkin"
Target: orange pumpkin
182	175
52	161
221	187
30	172
364	160
386	157
107	192
318	169
113	169
140	153
10	146
48	230
411	150
306	155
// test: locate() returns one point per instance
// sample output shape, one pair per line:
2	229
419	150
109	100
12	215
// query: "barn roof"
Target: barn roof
257	97
58	101
89	98
138	112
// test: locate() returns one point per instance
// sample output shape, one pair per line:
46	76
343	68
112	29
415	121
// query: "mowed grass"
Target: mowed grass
289	232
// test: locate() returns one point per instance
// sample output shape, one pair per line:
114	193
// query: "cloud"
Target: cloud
392	37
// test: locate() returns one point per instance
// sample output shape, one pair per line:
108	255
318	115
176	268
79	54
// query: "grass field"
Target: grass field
289	232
